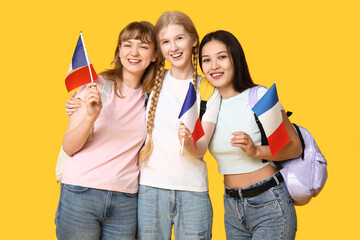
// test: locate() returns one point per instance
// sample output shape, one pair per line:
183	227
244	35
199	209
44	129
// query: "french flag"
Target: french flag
189	115
79	70
268	110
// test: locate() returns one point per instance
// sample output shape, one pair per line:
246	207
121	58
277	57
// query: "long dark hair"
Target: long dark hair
242	79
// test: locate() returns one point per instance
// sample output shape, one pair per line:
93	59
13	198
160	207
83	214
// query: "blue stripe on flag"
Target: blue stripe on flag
79	58
267	101
190	100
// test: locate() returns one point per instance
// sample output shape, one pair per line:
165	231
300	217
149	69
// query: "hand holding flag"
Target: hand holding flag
189	115
80	68
268	110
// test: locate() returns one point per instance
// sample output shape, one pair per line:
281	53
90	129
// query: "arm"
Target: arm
202	144
292	150
81	121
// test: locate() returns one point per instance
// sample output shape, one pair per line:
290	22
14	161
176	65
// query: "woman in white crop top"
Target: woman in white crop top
257	203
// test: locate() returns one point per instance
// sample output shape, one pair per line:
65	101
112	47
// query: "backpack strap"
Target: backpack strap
106	91
206	89
147	96
301	140
253	99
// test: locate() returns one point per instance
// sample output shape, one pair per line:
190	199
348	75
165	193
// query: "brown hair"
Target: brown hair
164	20
145	32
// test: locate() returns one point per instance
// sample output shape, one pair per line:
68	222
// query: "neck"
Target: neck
228	92
182	73
132	80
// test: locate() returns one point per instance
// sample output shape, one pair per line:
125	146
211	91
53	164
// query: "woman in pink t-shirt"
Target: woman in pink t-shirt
99	186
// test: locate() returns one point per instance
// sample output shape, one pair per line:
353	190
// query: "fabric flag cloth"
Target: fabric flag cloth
189	115
268	110
78	73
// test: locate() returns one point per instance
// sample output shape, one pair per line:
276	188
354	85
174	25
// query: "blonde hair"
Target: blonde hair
166	19
145	32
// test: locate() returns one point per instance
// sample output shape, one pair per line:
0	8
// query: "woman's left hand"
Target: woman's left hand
243	141
184	133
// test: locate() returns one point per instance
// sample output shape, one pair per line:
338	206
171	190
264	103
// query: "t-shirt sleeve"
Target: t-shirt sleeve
212	107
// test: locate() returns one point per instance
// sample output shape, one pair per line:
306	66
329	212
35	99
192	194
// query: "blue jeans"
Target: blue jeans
269	215
159	209
87	213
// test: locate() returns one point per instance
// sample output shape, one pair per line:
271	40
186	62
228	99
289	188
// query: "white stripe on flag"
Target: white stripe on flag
190	117
271	119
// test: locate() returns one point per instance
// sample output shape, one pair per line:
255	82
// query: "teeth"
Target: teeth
134	61
216	74
176	55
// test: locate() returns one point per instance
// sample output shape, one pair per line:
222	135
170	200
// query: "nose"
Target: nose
173	47
214	65
135	51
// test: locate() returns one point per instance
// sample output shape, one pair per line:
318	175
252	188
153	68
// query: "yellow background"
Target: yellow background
310	48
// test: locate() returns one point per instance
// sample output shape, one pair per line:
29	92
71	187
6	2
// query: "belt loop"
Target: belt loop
240	193
276	179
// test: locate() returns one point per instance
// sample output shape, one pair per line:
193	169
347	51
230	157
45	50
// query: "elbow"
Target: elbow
67	147
297	148
68	150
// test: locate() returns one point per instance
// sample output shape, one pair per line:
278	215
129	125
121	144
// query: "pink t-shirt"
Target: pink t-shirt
110	160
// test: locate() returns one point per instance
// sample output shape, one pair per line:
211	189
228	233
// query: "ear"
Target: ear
153	59
195	43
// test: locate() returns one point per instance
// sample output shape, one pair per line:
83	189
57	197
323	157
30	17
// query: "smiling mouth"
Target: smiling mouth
177	55
216	75
134	61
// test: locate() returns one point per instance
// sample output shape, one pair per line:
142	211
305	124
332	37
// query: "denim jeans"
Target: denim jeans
269	215
159	209
87	213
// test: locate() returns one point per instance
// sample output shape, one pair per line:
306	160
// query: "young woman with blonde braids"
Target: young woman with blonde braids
173	186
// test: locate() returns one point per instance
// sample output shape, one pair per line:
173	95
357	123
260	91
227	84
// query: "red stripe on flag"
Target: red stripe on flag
278	139
80	77
198	132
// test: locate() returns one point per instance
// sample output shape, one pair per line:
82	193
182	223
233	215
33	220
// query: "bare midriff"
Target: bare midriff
235	181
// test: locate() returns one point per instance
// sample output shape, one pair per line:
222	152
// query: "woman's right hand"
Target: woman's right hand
72	104
93	101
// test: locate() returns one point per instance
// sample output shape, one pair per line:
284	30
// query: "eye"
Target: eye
126	45
179	38
206	60
222	57
144	47
164	42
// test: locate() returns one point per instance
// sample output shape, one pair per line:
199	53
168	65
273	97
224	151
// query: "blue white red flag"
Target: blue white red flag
189	115
79	70
268	110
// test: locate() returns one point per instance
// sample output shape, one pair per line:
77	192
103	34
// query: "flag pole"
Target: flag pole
86	56
182	146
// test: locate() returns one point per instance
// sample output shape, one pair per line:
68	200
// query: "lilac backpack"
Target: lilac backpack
305	176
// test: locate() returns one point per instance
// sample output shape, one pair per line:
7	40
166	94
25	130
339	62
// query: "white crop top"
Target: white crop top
233	113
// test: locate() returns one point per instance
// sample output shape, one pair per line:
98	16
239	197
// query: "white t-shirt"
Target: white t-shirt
166	168
233	113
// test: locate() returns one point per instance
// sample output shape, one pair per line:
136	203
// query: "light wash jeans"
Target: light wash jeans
159	209
268	216
87	214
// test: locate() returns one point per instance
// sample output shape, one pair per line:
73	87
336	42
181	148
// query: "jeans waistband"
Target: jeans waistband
252	192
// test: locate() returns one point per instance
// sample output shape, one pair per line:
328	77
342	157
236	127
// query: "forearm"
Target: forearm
203	143
291	150
75	137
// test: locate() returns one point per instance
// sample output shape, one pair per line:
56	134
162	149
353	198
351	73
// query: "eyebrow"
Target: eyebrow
141	42
218	53
181	34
